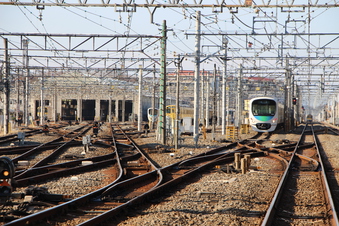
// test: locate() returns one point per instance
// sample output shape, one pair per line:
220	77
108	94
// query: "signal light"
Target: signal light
5	189
5	173
294	101
6	168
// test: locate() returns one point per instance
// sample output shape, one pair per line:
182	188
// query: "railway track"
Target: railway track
303	195
129	162
137	179
44	170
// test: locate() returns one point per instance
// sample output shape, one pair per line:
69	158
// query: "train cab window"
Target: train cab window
152	111
170	109
263	107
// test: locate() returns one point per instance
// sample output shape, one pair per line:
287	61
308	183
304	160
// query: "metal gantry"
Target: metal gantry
312	58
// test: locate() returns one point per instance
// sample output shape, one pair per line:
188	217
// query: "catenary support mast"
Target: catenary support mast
162	85
197	77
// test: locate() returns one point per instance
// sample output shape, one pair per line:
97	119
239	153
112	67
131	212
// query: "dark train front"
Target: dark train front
309	118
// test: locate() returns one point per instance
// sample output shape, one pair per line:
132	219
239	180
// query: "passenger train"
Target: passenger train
265	114
186	118
309	118
152	115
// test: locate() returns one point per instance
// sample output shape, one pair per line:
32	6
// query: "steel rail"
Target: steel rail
23	149
159	189
69	164
114	188
328	196
52	155
140	152
139	149
62	172
29	132
268	219
272	208
14	137
99	193
173	169
67	206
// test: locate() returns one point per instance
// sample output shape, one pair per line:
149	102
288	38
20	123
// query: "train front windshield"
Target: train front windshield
264	107
170	109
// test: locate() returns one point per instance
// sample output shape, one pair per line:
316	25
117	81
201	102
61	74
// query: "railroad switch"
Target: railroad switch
42	194
72	156
21	137
282	141
86	141
226	168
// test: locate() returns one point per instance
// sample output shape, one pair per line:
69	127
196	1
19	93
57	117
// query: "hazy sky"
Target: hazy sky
100	20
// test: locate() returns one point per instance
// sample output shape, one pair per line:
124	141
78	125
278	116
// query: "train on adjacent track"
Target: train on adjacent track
309	118
265	114
152	114
186	116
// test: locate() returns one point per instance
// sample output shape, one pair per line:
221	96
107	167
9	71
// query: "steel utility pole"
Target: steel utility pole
17	85
288	98
42	104
202	106
140	101
26	89
153	101
207	100
197	78
177	63
214	121
162	86
224	79
5	80
55	99
239	98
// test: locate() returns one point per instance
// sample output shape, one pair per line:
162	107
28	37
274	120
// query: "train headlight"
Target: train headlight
275	120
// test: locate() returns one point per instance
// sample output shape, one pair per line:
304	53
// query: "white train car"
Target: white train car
265	114
152	116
